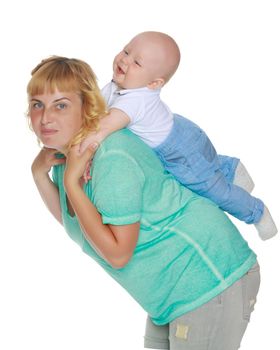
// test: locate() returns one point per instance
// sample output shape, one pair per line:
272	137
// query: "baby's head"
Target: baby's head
148	60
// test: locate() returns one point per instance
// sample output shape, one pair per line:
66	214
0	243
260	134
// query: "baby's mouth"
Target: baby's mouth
119	70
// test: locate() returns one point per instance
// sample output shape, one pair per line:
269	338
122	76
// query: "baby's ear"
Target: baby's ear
156	84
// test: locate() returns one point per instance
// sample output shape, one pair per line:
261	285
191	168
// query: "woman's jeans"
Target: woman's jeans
217	325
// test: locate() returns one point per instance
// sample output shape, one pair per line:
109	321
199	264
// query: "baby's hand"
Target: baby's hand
77	163
86	175
91	139
95	144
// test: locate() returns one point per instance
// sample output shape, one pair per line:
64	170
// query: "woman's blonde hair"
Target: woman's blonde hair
70	75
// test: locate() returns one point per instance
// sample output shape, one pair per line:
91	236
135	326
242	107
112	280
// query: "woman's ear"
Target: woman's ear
156	84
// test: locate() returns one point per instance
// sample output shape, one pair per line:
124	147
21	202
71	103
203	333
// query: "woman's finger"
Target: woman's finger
90	150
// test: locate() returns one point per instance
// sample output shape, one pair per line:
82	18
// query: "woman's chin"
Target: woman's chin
52	146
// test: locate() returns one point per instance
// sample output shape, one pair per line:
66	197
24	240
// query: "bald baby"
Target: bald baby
161	51
148	60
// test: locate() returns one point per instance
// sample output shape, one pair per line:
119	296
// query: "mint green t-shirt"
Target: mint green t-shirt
188	250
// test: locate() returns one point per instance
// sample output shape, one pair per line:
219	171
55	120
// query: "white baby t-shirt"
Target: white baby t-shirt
150	118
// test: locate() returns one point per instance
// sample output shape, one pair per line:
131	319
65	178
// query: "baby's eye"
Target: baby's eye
125	52
61	106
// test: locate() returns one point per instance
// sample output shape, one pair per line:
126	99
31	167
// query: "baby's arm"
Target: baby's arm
115	120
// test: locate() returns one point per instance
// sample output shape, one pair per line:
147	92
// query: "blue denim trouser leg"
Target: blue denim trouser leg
228	166
189	155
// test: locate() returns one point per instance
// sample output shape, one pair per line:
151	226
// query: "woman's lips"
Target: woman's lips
48	132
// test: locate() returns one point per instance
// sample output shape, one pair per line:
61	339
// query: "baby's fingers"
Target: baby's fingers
86	174
87	144
84	145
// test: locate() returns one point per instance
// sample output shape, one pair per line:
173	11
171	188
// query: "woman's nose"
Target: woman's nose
46	117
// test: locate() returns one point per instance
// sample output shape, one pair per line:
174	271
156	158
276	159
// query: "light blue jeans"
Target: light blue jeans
189	155
217	325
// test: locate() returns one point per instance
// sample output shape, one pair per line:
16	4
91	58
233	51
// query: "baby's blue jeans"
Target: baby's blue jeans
189	155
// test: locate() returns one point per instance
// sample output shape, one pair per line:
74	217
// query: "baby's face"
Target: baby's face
138	64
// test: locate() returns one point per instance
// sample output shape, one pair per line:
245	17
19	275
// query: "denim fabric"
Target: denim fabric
217	325
189	155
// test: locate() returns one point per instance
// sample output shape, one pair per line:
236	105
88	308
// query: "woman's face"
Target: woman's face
56	117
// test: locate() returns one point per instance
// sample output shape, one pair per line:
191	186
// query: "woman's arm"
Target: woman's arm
47	189
114	243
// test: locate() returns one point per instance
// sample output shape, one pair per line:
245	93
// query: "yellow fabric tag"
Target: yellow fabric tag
182	331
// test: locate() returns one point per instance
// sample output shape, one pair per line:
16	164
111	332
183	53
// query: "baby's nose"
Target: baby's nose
126	59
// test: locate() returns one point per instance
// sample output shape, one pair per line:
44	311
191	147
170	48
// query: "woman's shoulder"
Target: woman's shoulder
126	140
125	146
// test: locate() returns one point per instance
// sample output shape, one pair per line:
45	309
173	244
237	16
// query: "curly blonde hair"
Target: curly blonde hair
70	75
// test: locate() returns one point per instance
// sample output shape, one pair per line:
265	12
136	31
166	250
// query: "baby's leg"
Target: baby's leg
239	203
231	198
206	179
156	337
197	166
190	156
235	172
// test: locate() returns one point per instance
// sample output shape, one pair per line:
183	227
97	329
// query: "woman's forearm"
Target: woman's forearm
116	252
115	243
40	168
49	194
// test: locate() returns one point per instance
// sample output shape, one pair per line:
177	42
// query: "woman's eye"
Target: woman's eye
137	63
61	106
37	105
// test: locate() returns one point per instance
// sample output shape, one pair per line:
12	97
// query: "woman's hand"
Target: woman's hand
77	162
44	161
47	189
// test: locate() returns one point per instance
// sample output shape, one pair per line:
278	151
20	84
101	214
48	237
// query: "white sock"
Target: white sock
266	226
242	178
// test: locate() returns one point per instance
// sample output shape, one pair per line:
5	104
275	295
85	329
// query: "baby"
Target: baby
140	70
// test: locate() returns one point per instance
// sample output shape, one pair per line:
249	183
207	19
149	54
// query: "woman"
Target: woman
176	253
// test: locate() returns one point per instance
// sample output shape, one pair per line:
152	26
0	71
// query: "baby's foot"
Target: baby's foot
266	226
242	178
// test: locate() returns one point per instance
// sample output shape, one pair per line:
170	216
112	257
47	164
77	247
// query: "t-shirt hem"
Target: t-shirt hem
120	221
211	294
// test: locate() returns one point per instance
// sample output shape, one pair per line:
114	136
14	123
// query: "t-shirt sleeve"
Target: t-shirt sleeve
131	105
107	91
54	175
117	188
56	171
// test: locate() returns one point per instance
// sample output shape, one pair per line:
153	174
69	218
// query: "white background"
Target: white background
51	295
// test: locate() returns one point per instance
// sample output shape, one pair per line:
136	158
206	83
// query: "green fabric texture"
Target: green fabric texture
188	250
